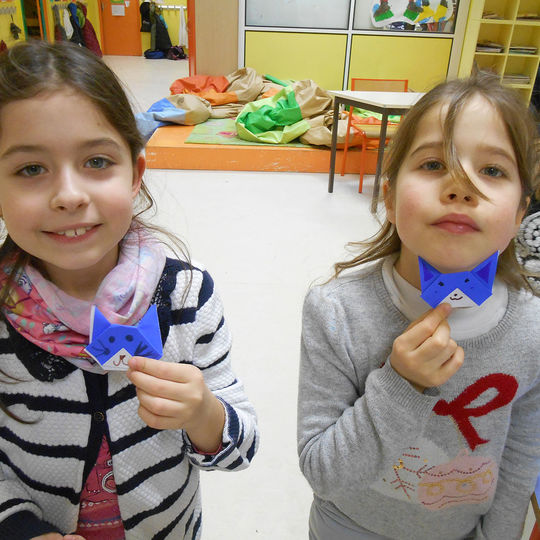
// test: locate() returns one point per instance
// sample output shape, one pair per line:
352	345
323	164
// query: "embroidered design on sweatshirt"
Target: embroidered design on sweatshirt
426	475
464	480
402	479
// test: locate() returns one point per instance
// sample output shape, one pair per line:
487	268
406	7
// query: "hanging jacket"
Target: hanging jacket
88	32
59	32
146	24
159	38
67	24
77	36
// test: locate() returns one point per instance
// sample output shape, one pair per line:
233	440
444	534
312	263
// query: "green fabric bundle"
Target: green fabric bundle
277	119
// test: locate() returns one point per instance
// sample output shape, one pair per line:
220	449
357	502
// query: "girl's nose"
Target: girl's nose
69	193
455	196
458	192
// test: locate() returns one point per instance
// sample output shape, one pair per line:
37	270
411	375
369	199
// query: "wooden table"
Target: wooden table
386	103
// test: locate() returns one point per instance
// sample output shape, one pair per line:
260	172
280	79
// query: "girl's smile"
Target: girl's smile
67	185
75	234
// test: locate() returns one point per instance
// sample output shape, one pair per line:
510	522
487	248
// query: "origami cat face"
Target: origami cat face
112	345
459	289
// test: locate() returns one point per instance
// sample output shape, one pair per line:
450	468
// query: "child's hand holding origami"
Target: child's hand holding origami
425	354
175	396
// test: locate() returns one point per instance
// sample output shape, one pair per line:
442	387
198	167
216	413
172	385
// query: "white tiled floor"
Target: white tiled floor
264	237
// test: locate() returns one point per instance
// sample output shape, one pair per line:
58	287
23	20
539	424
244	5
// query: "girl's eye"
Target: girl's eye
495	172
98	163
432	165
31	170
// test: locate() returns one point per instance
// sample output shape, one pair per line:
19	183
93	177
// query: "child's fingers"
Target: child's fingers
424	327
438	347
154	385
189	388
449	368
156	421
167	371
157	368
440	308
159	406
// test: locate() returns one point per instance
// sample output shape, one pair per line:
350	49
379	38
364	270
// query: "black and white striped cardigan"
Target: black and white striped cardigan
44	464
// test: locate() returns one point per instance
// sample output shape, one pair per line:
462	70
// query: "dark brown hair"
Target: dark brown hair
37	67
455	94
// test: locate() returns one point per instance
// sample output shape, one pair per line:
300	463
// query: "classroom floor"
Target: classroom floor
264	237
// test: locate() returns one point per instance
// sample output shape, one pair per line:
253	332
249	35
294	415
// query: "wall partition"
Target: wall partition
331	41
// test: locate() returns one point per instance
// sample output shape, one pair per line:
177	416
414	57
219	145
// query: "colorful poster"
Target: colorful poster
385	12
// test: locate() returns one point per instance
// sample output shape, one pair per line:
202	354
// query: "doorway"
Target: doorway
121	27
33	19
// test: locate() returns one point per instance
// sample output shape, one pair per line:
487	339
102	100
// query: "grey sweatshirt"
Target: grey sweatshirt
458	461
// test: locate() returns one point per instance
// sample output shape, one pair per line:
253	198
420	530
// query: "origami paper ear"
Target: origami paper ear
485	271
428	274
149	328
98	322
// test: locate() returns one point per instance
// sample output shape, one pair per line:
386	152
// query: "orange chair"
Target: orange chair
368	132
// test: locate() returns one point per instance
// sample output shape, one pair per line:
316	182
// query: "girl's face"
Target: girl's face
67	185
441	221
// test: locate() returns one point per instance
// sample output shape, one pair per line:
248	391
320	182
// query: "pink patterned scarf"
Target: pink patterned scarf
60	323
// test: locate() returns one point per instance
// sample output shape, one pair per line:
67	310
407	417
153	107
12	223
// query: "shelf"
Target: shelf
508	31
518	86
522	55
497	21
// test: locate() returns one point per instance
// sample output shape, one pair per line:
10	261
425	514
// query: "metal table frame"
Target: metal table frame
358	99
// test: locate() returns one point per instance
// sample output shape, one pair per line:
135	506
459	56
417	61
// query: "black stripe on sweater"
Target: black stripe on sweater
188	524
46	404
43	450
185	315
124	394
235	464
67	493
207	338
251	452
166	503
132	439
234	422
233	432
164	533
206	290
143	475
216	362
14	502
196	527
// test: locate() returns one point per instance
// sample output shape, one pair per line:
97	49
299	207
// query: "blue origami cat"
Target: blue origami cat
112	345
459	289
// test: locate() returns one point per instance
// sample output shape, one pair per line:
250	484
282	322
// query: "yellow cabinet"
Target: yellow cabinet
504	36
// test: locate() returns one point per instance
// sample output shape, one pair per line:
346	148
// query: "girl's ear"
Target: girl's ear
138	171
389	203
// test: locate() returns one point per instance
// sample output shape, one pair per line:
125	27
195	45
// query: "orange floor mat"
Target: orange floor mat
167	149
